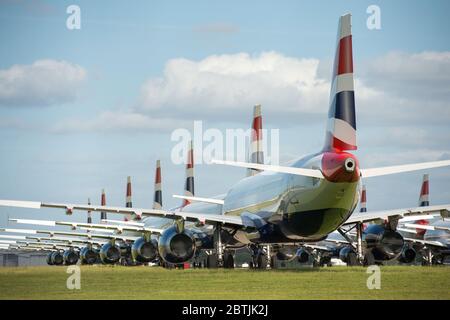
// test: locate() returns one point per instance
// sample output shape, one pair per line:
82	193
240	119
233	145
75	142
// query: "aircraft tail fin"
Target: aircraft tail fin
341	127
89	215
424	192
189	185
363	203
103	203
128	202
256	142
157	199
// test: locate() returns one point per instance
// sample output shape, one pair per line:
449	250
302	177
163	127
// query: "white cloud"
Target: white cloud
119	121
220	85
396	87
292	91
43	83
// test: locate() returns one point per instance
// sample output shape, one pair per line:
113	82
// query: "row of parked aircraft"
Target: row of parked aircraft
288	211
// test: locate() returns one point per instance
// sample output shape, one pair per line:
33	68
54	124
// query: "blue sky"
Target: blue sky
73	142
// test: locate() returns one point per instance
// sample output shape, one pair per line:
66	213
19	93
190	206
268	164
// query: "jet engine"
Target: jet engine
70	257
88	255
302	255
384	243
57	258
144	251
286	253
176	247
348	255
49	259
109	253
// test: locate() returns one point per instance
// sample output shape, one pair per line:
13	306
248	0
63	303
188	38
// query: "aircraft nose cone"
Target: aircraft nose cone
340	167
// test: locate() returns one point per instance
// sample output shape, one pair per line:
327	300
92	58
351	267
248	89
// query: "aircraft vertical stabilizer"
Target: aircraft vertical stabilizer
256	142
103	203
363	203
341	127
128	202
189	185
157	199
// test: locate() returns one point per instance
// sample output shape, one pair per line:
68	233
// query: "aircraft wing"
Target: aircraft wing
74	225
317	247
227	220
68	240
443	210
74	234
336	241
427	242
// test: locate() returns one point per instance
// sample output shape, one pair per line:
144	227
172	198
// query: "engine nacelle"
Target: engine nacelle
88	255
175	247
345	252
286	253
384	243
70	257
408	255
144	251
302	255
57	258
109	253
49	259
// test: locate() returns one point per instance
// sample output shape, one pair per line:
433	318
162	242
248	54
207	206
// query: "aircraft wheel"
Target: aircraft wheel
262	262
228	262
369	259
352	260
212	261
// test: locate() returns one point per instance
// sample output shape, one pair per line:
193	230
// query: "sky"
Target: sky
82	109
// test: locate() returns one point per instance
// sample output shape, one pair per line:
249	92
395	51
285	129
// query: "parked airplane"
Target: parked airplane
305	201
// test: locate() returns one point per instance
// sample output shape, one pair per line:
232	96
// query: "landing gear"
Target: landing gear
369	259
357	257
352	259
260	258
212	261
228	262
218	246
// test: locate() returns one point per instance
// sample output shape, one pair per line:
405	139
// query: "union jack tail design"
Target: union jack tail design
423	202
256	143
103	203
341	128
128	202
189	186
89	216
424	192
362	206
157	199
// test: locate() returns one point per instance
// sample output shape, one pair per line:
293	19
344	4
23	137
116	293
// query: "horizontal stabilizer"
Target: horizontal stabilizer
313	173
382	171
35	222
198	199
425	227
20	204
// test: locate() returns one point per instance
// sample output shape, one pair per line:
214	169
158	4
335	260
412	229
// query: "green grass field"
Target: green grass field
107	282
